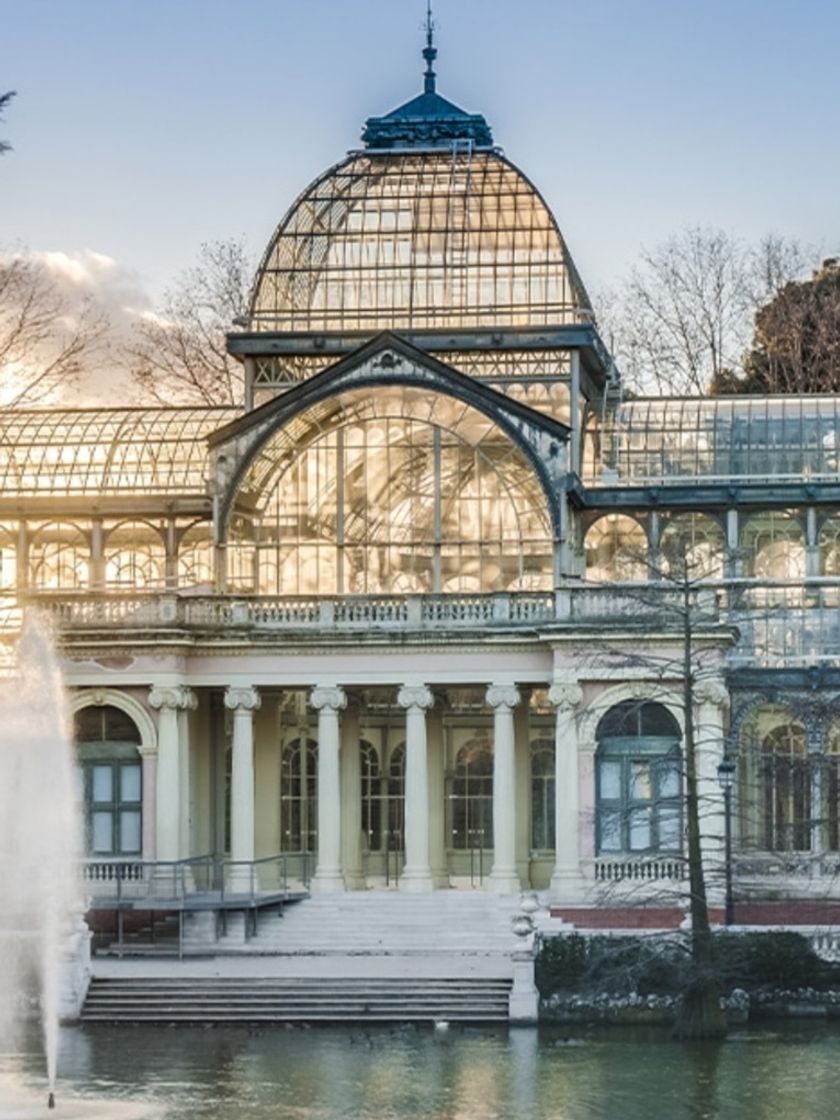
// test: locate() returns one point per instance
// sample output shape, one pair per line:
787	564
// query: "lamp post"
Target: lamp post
726	778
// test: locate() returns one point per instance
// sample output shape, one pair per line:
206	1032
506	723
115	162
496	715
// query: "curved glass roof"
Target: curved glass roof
722	438
418	238
107	451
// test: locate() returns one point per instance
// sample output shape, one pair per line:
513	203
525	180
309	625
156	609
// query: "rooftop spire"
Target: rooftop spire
430	51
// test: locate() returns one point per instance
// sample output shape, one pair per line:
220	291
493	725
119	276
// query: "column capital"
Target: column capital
502	696
242	698
712	691
332	698
176	698
565	696
415	696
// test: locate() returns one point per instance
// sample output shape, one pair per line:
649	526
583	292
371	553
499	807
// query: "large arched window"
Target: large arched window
616	548
135	556
638	780
394	490
542	794
371	797
299	796
693	546
472	797
59	557
775	782
395	839
773	545
107	742
786	789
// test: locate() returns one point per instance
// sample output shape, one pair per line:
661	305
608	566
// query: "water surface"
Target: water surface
408	1073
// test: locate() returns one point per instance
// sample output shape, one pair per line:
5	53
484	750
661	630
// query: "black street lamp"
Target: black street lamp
726	777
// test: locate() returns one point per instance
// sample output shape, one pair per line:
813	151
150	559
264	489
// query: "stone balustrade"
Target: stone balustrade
778	626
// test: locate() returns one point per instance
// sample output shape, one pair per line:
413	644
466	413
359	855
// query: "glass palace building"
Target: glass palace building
423	610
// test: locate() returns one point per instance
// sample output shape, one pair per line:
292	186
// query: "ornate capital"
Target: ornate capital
503	696
415	696
712	691
242	699
333	699
177	699
565	697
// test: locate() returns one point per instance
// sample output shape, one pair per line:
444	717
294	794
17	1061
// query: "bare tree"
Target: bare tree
178	354
683	318
5	98
675	603
45	339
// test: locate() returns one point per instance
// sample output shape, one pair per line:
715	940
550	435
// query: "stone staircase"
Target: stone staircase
390	922
298	999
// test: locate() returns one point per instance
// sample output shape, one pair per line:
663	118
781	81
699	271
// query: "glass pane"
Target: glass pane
670	832
610	777
669	778
640	783
130	783
639	830
103	785
610	820
130	831
103	832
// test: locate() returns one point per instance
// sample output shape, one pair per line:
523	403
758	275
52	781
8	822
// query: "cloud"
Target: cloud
89	279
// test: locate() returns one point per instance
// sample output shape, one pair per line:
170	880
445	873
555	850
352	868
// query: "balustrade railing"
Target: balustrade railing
211	880
640	870
778	622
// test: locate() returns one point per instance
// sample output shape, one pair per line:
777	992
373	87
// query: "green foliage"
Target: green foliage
661	964
770	960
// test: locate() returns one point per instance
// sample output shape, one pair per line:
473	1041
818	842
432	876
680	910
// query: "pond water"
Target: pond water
792	1073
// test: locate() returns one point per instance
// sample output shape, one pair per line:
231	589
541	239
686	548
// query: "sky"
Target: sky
142	128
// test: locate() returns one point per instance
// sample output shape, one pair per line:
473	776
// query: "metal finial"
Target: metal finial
430	52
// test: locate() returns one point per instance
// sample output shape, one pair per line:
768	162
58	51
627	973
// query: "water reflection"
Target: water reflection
416	1074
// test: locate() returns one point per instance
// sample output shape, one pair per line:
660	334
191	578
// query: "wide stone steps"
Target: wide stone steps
229	1000
390	922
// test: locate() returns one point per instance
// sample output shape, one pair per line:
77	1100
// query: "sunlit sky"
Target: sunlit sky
144	127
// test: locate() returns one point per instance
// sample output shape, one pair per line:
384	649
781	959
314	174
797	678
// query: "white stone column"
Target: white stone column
243	702
711	700
185	755
328	702
567	883
351	799
435	753
168	702
504	878
417	872
149	778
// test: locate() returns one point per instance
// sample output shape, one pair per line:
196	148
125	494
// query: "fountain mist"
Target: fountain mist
40	835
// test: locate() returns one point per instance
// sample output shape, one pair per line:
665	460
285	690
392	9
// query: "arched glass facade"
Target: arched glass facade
400	491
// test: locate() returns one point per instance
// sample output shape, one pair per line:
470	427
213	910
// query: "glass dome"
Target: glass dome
410	237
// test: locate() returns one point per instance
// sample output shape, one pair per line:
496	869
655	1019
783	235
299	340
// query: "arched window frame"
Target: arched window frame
639	790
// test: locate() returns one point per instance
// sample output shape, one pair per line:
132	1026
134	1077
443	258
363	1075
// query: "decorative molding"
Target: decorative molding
176	698
415	696
242	699
332	698
565	698
712	691
112	697
501	696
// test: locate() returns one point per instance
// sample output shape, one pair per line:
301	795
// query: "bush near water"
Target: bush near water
661	965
